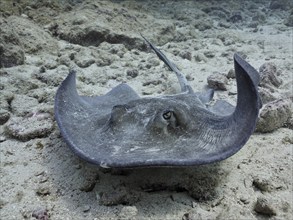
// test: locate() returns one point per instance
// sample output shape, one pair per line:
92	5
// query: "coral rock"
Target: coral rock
274	115
268	75
29	128
217	81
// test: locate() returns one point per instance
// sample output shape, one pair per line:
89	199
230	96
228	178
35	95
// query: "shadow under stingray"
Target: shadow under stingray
75	180
199	182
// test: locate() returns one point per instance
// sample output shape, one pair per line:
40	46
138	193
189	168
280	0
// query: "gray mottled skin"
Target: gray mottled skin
120	129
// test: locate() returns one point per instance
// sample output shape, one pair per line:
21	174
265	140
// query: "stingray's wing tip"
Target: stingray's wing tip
250	70
69	80
72	71
67	90
237	56
239	61
71	76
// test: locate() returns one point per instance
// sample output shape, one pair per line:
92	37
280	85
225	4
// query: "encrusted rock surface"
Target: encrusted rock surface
217	81
265	206
11	50
38	125
269	75
274	115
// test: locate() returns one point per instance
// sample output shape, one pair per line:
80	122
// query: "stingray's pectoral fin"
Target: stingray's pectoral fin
81	119
205	97
221	107
67	92
248	100
229	128
122	92
253	74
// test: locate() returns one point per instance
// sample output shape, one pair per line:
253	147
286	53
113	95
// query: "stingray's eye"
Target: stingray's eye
167	115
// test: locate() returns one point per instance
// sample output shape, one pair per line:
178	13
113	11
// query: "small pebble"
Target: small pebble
42	69
39	145
217	81
287	140
86	208
4	116
2	203
132	73
263	183
209	54
198	214
43	179
185	55
199	57
40	173
245	200
89	182
264	206
2	138
231	74
189	77
236	17
43	191
41	214
79	20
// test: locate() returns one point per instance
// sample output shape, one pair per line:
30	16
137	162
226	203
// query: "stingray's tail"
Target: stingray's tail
185	87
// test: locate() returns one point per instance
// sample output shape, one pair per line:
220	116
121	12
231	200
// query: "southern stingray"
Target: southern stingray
122	129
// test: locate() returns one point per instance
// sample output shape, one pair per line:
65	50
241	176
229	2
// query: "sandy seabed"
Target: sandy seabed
40	42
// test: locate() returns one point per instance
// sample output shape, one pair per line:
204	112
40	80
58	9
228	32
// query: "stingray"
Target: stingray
121	129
